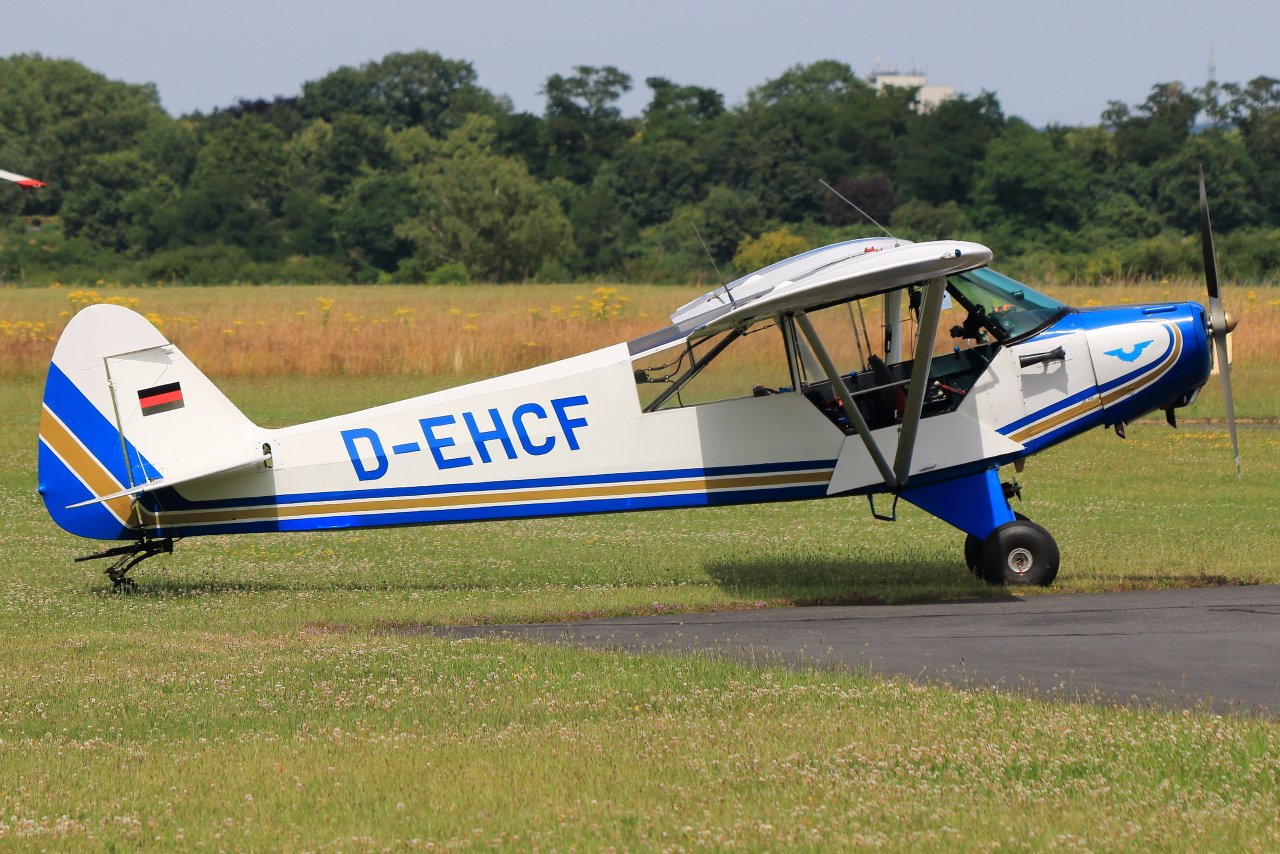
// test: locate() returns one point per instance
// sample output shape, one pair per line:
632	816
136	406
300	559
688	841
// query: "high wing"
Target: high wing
816	278
21	180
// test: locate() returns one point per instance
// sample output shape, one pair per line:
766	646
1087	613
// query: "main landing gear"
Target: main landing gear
1003	547
1018	553
128	557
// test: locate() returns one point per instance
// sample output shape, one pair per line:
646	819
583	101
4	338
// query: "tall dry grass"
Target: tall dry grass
477	330
331	331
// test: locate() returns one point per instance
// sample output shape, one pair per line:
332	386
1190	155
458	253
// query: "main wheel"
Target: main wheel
973	549
1019	553
973	554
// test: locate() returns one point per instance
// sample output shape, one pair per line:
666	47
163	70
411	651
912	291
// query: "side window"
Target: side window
854	331
732	365
854	336
959	328
851	333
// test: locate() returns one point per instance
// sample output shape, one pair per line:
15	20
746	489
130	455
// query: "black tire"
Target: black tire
973	554
1019	554
973	549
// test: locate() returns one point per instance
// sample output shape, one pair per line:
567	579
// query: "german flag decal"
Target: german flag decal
160	398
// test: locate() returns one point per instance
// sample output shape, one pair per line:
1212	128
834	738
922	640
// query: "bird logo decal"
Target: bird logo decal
1129	355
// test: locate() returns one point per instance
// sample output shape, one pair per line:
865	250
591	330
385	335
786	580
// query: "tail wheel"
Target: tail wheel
1019	554
973	549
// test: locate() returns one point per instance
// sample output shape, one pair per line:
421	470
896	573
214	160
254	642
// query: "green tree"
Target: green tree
418	89
583	127
942	146
235	194
603	233
679	112
484	211
814	121
924	221
1157	127
844	126
1025	187
1121	215
672	251
1229	176
769	248
98	209
55	114
332	155
654	178
1255	110
250	149
366	223
283	113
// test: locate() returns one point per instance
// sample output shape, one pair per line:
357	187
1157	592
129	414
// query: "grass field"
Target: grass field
249	697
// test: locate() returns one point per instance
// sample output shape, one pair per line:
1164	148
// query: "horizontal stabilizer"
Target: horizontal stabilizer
164	482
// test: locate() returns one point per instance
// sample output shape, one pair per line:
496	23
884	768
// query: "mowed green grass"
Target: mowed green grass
249	696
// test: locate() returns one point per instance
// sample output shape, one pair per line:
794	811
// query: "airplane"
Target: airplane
23	183
136	444
21	180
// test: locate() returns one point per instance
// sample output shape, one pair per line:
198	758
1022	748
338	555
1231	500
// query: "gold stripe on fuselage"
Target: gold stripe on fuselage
84	465
427	502
1053	422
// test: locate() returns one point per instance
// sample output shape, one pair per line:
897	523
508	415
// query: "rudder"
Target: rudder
122	406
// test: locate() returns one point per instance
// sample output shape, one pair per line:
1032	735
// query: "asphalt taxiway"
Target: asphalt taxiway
1216	647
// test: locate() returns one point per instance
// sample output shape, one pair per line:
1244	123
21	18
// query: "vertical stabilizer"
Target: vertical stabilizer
122	406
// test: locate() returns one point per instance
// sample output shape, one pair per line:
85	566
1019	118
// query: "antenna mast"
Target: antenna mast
728	292
859	210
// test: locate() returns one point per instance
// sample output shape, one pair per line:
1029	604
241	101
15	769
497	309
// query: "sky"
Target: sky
1047	62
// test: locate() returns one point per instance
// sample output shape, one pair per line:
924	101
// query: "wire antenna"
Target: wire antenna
728	292
858	209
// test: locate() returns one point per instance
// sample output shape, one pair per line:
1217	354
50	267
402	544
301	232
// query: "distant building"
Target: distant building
929	96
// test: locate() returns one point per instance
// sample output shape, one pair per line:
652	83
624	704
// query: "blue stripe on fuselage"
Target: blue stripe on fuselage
172	501
496	513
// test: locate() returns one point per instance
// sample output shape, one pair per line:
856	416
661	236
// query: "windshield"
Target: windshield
1007	309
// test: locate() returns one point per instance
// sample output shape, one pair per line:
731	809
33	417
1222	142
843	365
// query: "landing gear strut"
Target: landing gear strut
1018	553
129	557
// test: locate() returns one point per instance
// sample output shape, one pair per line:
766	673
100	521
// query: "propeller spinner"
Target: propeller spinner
1220	322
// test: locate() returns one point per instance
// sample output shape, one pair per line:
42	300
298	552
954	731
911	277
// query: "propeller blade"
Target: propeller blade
1217	319
1224	371
1206	242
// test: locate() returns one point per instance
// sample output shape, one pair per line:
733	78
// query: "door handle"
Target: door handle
1058	355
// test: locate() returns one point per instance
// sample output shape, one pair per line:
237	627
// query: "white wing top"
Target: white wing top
21	180
816	278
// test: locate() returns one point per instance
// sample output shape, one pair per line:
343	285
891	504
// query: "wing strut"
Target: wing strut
925	334
850	409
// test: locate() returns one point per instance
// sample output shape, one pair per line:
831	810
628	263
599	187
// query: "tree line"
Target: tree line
405	169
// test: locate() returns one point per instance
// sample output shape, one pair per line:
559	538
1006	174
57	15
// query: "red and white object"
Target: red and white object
21	180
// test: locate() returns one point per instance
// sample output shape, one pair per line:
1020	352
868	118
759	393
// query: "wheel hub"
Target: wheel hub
1020	561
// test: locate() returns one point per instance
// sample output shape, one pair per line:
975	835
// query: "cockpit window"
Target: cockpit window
1005	308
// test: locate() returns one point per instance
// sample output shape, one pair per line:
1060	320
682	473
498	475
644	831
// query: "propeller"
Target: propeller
1220	323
